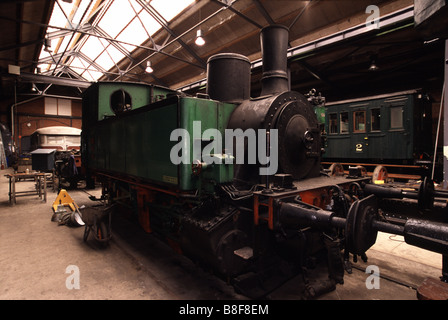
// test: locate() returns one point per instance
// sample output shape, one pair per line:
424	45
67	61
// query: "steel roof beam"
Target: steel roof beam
158	17
263	11
229	7
39	78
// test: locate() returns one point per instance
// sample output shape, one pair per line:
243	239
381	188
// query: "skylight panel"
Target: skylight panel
134	33
93	47
91	75
105	61
116	17
114	54
78	66
58	18
150	24
83	6
65	43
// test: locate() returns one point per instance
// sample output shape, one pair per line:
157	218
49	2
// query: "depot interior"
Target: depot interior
52	51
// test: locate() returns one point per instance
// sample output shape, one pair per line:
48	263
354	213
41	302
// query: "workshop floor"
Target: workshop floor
39	260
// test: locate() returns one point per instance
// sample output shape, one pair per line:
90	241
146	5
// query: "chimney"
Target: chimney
274	46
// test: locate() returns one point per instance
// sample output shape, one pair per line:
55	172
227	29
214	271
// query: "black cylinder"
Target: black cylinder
274	47
428	235
228	77
383	192
295	216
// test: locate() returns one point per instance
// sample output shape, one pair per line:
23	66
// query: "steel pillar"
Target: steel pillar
445	120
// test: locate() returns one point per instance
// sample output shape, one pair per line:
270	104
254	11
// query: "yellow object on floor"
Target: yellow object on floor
64	199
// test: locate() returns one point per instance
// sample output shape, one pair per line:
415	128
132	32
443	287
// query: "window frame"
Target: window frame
340	123
397	106
355	121
372	121
333	125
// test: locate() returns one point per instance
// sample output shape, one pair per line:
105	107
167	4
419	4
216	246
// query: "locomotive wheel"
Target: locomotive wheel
360	235
355	190
336	169
426	195
379	174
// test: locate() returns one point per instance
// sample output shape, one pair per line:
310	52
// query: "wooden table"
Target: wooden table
40	178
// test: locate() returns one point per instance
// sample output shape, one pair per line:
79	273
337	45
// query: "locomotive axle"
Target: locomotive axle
362	225
424	195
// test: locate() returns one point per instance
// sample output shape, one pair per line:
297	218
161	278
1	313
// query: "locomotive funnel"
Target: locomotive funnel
274	46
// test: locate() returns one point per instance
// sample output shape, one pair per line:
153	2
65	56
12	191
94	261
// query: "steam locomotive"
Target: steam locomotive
234	182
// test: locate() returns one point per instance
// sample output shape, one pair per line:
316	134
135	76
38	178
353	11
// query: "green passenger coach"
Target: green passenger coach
393	128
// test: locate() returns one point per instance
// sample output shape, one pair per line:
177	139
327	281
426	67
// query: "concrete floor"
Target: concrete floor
37	258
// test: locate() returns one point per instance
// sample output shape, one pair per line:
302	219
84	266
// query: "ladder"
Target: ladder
3	162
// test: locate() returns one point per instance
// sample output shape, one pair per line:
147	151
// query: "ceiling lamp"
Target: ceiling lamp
47	45
149	69
199	38
373	66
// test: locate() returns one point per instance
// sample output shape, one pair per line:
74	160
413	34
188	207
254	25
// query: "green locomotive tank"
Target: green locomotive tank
131	133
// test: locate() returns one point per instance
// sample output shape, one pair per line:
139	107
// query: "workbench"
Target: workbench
40	179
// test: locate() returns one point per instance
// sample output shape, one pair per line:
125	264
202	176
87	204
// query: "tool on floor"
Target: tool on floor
63	199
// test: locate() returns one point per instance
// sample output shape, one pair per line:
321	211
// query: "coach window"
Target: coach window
396	117
375	118
344	122
333	123
359	121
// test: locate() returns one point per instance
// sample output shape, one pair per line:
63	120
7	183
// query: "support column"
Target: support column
445	150
445	121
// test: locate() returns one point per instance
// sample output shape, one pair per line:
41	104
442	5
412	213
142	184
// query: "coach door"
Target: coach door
398	142
375	131
359	138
